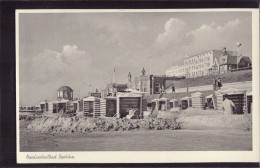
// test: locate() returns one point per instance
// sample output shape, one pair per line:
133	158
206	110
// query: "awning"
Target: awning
185	98
173	100
231	91
127	94
134	91
249	93
90	98
209	96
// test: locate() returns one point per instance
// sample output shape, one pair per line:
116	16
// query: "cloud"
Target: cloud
50	64
213	36
173	34
177	40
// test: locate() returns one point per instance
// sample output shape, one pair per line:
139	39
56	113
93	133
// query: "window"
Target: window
157	87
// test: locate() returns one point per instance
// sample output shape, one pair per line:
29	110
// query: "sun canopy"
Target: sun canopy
110	97
126	94
249	93
209	96
173	100
153	100
134	91
185	98
163	98
90	98
231	91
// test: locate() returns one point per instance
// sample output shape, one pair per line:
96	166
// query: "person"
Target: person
173	89
214	83
228	105
219	83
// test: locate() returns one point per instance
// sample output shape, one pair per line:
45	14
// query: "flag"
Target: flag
238	44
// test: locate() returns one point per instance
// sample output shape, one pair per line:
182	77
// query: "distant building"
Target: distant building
228	63
152	84
206	63
177	71
112	88
65	92
97	95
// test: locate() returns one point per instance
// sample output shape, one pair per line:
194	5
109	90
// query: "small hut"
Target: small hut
91	106
174	104
198	100
249	101
127	102
77	106
238	96
108	106
211	102
164	104
155	104
44	106
186	102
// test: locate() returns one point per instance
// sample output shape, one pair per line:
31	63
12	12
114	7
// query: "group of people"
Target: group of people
217	83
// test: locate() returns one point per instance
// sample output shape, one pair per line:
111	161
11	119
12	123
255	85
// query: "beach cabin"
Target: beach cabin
186	102
91	106
174	104
238	96
211	101
249	102
77	106
198	100
128	101
163	104
37	108
155	104
108	106
44	106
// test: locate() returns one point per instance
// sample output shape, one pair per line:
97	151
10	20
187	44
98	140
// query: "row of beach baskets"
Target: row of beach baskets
241	98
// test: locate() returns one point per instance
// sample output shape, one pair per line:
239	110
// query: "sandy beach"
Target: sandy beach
154	140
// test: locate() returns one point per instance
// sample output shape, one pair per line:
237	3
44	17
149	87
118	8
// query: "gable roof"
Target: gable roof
246	58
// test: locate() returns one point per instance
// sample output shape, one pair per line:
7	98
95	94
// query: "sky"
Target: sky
83	49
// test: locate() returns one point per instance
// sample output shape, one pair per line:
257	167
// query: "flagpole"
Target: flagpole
150	64
114	75
238	45
237	57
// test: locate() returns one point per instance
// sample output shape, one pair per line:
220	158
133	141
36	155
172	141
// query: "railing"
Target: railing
241	69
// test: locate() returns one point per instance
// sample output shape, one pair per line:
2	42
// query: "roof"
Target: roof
65	88
231	91
173	100
127	94
209	96
163	98
185	98
133	91
90	98
246	58
110	97
249	93
197	94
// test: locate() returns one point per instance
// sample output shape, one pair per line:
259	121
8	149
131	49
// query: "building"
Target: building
199	65
65	92
112	88
153	84
177	71
229	63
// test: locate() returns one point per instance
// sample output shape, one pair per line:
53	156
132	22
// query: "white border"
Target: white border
153	156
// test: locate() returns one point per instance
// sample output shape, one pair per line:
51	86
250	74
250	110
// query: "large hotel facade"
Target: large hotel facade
208	62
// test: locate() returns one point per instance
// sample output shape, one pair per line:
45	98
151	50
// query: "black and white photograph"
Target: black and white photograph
134	85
